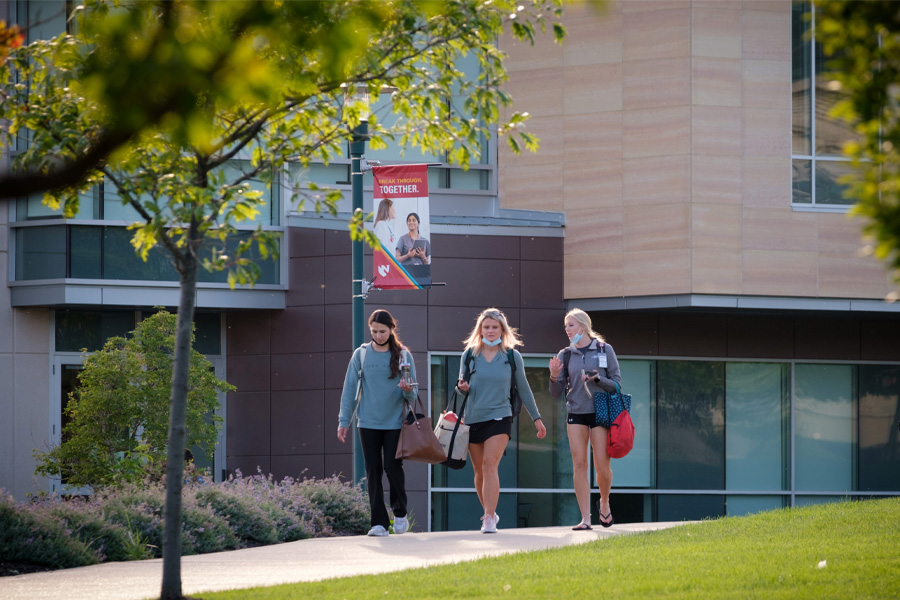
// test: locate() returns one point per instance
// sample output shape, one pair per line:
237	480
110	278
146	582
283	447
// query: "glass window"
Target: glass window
689	507
87	252
757	442
736	506
636	469
690	451
78	330
121	262
823	430
879	418
40	253
815	133
33	208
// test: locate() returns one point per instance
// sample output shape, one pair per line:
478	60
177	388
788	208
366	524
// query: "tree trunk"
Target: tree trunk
171	579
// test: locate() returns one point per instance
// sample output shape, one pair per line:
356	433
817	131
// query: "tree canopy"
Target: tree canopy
863	41
173	65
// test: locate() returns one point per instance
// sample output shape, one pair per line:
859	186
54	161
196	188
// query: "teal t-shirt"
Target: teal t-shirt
381	404
489	388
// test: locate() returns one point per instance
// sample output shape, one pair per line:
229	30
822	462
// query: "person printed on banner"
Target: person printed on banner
592	366
379	413
488	411
412	248
384	225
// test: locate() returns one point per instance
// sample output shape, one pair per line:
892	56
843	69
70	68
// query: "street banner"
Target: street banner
402	225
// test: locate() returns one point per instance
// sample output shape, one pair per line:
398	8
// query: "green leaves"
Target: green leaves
188	108
864	38
119	415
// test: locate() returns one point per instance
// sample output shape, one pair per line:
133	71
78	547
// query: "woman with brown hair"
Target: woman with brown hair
374	389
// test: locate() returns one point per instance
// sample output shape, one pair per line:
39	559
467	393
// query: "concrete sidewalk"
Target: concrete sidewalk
305	560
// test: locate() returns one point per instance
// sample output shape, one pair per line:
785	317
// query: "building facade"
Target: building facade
684	195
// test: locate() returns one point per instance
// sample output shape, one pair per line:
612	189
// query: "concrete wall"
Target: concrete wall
665	133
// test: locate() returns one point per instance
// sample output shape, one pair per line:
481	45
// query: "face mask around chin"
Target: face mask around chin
491	344
577	338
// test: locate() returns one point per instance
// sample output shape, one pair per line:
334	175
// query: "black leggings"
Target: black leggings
374	442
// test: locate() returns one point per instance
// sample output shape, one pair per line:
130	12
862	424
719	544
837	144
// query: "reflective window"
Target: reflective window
690	415
823	430
879	419
716	426
40	253
639	380
757	437
78	330
817	137
98	252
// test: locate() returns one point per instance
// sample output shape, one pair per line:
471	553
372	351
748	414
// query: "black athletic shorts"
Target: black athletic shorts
480	432
589	419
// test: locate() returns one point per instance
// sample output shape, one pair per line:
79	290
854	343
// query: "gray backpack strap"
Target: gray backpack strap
362	361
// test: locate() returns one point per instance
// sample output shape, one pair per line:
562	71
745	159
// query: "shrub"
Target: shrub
137	508
126	522
292	516
248	520
29	534
83	519
345	505
203	531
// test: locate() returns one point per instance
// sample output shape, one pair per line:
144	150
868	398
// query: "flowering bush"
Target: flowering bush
126	522
28	534
344	505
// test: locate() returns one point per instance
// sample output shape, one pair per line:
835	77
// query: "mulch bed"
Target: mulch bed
10	568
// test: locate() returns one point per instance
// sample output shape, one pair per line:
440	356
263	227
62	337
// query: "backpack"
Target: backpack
515	402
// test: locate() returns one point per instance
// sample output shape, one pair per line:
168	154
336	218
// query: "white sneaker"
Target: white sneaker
401	525
489	524
496	519
378	531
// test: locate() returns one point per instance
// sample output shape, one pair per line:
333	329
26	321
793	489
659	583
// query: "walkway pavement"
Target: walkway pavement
305	560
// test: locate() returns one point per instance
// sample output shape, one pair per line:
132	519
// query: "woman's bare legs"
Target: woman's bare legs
578	445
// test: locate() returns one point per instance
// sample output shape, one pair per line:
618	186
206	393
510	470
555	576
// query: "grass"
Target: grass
849	550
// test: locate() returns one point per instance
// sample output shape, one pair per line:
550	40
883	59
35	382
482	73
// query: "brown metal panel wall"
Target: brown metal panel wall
289	365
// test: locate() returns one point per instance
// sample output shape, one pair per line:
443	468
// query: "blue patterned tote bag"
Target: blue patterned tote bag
607	406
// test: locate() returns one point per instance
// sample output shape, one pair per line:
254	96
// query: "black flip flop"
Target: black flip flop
606	516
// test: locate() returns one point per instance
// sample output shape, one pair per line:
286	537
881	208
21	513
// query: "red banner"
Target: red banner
402	224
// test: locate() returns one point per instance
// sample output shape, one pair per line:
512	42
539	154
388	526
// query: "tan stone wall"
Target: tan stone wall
665	133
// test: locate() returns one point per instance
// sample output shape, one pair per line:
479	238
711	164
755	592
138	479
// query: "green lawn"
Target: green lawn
848	550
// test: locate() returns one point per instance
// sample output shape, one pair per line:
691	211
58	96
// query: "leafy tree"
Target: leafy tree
119	416
158	97
864	40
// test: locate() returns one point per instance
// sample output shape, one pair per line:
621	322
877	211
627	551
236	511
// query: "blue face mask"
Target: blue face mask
577	338
491	344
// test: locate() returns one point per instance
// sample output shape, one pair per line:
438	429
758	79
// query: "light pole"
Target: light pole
357	149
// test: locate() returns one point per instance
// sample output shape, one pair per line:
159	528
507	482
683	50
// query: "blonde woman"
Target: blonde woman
489	348
591	366
384	226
